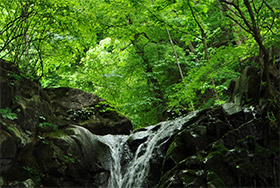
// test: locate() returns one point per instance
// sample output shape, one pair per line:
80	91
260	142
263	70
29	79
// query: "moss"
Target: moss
191	178
212	154
219	146
187	178
24	137
46	126
56	134
192	172
170	148
213	180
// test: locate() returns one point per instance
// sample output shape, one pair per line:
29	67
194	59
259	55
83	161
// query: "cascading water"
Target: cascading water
136	171
115	142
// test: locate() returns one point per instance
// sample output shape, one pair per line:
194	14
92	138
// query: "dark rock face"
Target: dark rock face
216	153
41	135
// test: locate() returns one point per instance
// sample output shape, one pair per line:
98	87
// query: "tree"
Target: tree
147	58
32	32
256	18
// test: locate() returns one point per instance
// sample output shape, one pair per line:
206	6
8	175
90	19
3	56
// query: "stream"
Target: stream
130	168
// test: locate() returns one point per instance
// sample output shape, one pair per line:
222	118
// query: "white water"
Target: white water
115	142
137	170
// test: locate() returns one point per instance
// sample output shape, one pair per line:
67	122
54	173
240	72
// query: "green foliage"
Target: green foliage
120	50
14	76
15	100
47	125
8	114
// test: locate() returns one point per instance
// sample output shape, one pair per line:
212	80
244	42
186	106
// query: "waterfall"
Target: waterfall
137	168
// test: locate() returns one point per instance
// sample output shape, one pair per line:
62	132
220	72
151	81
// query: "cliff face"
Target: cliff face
66	137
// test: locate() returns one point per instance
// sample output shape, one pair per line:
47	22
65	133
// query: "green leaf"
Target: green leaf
8	114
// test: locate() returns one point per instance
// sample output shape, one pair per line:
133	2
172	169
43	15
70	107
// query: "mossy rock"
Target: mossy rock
192	178
213	180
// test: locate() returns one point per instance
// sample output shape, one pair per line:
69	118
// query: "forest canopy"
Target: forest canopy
150	59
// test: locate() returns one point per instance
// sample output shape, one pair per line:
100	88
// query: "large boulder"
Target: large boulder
30	114
73	157
74	106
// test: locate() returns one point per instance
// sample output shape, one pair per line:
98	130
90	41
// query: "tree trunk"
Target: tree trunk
251	26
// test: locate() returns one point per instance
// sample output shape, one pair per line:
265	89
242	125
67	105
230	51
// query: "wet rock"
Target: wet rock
41	119
192	178
1	181
70	156
103	126
214	162
137	138
213	180
181	147
231	155
255	128
24	184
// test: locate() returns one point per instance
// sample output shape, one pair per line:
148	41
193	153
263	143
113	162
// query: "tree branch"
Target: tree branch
175	53
203	35
241	14
165	23
251	13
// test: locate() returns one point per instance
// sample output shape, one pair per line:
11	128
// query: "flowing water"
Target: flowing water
115	142
137	168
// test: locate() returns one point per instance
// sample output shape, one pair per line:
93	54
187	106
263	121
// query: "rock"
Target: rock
137	138
24	184
191	178
1	181
213	180
182	146
68	98
246	88
231	108
6	83
75	106
8	150
39	115
76	154
255	128
230	155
